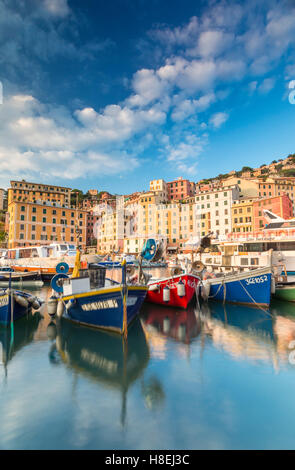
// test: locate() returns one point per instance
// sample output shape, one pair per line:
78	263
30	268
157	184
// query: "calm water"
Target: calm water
215	378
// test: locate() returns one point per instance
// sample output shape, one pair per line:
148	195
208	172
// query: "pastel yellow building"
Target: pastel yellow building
242	216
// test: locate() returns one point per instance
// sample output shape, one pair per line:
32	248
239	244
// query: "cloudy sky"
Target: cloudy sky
109	95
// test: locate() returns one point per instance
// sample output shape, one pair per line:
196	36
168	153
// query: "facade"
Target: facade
213	210
180	189
279	205
242	216
33	224
160	188
23	191
2	199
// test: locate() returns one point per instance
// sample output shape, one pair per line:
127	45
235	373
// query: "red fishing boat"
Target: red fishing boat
174	291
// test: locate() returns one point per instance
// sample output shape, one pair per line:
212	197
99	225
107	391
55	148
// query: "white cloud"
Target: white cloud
218	119
267	85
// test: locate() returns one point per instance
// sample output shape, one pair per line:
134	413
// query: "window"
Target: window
22	217
34	209
23	208
44	211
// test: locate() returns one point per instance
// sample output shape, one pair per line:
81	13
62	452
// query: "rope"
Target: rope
259	306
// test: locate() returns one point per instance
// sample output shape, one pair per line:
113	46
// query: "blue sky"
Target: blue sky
109	95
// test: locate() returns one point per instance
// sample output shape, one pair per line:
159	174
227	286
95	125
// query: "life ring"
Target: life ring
149	249
62	268
55	284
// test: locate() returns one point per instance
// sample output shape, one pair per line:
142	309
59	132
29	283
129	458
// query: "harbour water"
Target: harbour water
218	377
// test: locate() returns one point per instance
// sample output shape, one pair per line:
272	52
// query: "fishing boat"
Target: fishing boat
89	298
285	291
43	258
24	279
249	288
174	291
15	304
46	272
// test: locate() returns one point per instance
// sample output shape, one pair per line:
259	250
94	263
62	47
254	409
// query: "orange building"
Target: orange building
279	205
34	224
37	192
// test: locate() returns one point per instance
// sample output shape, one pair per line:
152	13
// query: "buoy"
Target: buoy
181	288
21	301
60	308
166	294
51	331
52	306
205	291
166	325
34	302
273	285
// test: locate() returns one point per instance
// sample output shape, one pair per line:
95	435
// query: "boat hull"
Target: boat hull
9	305
104	308
157	296
47	273
285	292
18	279
250	288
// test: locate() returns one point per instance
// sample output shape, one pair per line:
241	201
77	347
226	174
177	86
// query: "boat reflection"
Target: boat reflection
181	325
104	357
12	341
243	332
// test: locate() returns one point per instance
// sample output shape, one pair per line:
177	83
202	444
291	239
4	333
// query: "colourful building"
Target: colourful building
279	205
180	189
33	224
23	191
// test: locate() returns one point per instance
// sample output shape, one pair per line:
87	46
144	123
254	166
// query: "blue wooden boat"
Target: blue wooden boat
95	301
249	288
14	305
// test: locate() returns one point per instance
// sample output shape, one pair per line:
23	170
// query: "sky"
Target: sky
110	95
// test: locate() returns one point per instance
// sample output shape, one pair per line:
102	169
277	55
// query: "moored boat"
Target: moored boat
8	275
250	288
285	291
15	304
173	291
88	298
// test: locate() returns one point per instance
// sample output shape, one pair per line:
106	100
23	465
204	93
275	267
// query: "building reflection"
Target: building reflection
243	332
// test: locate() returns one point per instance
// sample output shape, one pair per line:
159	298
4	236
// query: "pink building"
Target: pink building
180	189
279	205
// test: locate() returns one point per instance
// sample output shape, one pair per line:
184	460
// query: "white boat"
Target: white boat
42	258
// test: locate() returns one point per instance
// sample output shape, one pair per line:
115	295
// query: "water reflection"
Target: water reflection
243	332
102	357
12	341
